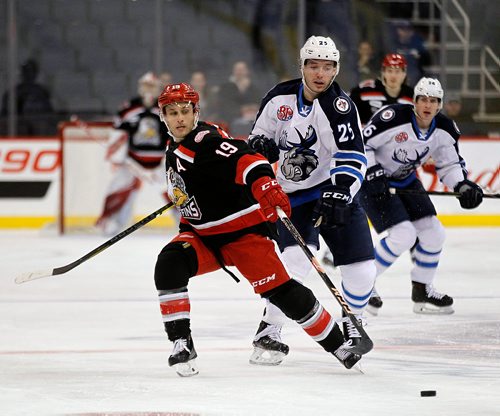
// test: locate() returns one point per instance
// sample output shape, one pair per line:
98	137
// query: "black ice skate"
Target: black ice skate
268	348
350	331
345	356
183	357
428	301
374	303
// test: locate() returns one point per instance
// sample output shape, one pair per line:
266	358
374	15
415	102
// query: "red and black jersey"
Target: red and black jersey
209	178
370	96
147	135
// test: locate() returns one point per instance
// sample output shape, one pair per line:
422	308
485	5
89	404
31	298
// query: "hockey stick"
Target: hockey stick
27	277
416	191
366	344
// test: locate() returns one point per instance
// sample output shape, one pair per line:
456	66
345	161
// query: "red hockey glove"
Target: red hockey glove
270	195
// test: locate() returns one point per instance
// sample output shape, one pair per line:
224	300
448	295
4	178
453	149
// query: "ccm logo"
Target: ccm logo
19	160
376	174
264	281
267	185
336	195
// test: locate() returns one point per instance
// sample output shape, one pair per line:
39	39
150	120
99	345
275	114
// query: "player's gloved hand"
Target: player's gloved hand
332	209
270	195
376	183
471	194
266	147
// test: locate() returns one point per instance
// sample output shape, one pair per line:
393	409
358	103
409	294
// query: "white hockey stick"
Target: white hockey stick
29	276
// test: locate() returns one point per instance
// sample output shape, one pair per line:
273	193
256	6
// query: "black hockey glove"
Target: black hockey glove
471	194
332	209
266	147
376	184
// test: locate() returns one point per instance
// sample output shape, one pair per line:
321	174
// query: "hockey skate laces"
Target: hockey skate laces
180	345
272	331
432	293
352	332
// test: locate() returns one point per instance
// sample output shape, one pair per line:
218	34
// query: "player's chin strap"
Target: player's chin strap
366	344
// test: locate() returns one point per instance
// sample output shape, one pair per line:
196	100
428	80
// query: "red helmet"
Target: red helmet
394	60
178	93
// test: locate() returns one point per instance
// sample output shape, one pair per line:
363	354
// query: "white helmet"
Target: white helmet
319	47
430	87
148	87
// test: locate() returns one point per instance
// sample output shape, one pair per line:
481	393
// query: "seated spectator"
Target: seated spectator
207	95
165	78
33	103
242	126
367	65
239	90
403	39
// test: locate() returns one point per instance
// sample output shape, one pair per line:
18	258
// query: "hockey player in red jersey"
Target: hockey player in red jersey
136	149
227	196
373	94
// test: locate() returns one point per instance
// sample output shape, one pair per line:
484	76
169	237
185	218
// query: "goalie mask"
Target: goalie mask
176	94
148	88
429	87
319	47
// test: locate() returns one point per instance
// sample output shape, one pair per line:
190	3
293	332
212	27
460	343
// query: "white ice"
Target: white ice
91	341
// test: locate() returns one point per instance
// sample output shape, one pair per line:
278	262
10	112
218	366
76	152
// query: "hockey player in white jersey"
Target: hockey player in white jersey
136	149
399	138
311	128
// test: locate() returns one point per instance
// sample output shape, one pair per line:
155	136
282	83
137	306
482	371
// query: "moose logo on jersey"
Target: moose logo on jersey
299	160
409	165
176	190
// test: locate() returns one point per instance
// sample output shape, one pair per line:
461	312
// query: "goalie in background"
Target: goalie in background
136	149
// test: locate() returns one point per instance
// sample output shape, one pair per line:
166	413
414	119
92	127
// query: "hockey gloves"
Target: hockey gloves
471	194
269	194
266	147
332	209
376	184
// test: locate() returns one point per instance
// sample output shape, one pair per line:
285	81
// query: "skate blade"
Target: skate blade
265	357
372	310
429	309
187	369
358	367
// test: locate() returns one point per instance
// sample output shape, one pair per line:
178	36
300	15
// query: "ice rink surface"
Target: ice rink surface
91	342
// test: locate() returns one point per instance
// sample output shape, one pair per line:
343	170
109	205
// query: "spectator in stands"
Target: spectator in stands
242	126
367	65
403	39
165	78
33	103
239	90
207	95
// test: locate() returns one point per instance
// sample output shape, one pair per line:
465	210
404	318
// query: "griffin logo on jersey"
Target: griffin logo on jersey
176	190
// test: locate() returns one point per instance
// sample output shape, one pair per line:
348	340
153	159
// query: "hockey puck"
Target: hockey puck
427	393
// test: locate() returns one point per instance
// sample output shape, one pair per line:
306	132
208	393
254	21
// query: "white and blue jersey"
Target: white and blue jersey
320	142
394	140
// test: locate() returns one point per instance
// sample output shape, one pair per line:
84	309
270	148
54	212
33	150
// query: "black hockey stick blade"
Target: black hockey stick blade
366	344
438	193
29	276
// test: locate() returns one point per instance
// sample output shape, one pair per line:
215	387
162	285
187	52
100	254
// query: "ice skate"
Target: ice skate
374	303
183	357
345	356
268	348
428	301
350	331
